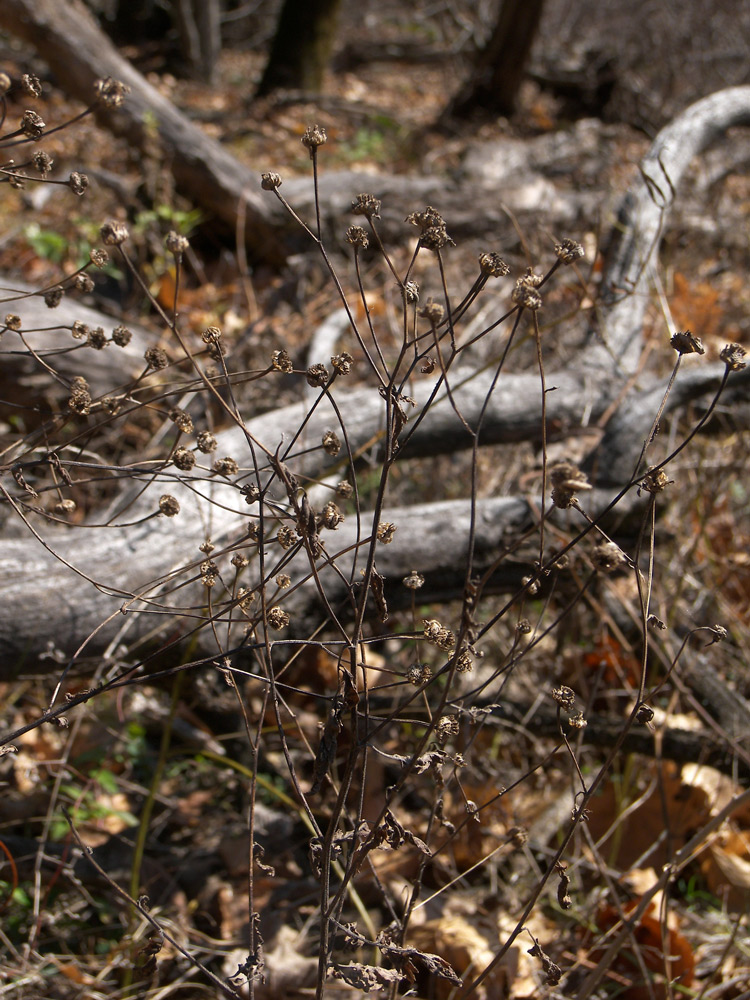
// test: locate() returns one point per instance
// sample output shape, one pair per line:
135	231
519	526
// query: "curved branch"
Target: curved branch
138	565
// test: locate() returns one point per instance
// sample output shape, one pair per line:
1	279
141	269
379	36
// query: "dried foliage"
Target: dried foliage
401	682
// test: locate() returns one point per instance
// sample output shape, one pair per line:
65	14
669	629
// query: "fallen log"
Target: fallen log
61	591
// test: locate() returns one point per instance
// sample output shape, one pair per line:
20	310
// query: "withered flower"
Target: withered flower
181	419
270	181
569	251
281	361
183	459
169	505
567	480
226	466
32	124
78	184
317	376
331	443
114	233
110	92
493	265
156	358
357	237
314	136
367	205
278	618
685	343
206	442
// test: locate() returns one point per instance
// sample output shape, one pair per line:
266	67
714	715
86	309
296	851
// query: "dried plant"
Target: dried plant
404	670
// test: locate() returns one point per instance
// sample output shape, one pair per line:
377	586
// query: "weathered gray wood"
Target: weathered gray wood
44	601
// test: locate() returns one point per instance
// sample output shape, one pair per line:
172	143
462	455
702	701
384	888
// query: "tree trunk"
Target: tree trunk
498	73
301	47
200	37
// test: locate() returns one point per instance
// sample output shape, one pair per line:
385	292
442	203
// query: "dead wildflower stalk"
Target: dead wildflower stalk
334	579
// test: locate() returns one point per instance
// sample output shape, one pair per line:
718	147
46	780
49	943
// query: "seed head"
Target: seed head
342	363
245	598
78	184
226	466
446	729
32	124
331	517
111	93
168	505
65	506
438	635
31	84
270	181
121	336
80	400
493	265
5	84
182	419
176	244
413	581
525	292
156	358
286	536
386	531
655	480
344	490
732	355
211	335
567	479
357	237
569	251
433	312
644	715
209	572
367	205
464	662
564	696
686	343
608	557
250	492
418	674
12	321
99	258
317	376
97	338
83	283
183	459
42	162
206	442
281	361
331	443
312	137
114	233
278	618
410	291
53	297
283	581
